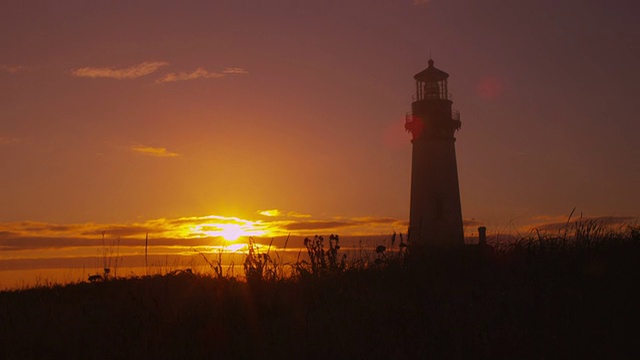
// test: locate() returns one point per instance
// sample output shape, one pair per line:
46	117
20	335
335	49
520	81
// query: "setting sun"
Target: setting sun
231	232
229	228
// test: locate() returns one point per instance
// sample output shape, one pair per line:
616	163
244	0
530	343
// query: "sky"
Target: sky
290	114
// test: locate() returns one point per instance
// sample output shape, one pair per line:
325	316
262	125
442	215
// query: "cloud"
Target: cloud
153	151
343	226
375	220
169	232
279	222
7	234
199	73
235	71
204	231
270	213
120	230
295	214
12	69
317	225
283	214
132	72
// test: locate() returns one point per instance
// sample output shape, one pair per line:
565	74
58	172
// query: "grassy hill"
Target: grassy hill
549	297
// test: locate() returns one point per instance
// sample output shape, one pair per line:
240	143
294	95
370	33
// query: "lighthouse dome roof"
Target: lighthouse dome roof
431	74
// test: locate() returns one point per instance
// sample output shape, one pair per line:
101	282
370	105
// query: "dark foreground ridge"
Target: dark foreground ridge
536	299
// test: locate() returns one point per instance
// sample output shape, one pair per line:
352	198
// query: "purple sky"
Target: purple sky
122	112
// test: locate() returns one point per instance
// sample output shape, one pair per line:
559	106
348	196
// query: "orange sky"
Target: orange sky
121	113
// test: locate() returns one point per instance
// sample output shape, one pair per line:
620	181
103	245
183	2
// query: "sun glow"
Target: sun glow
237	247
231	229
231	232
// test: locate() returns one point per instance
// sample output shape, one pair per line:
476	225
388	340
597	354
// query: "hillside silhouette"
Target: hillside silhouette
541	297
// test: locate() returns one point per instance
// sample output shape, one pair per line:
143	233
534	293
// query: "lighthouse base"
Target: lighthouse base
435	214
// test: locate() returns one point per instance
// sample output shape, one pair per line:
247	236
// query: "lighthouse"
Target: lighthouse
435	213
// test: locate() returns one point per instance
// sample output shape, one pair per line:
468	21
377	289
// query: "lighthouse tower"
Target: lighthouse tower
435	215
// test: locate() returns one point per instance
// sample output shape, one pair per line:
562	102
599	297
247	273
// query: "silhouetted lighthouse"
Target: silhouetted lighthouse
436	216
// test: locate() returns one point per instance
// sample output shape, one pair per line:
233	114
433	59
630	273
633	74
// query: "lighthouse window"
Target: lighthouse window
433	92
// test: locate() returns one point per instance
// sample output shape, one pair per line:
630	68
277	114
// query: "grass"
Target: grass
545	296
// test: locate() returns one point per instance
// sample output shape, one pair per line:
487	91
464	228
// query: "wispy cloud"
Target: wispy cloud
338	225
187	231
295	214
282	214
132	72
153	151
270	213
235	70
12	69
201	73
315	225
173	230
181	231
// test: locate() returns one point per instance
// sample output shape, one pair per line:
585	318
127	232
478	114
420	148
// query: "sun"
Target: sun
231	232
229	228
